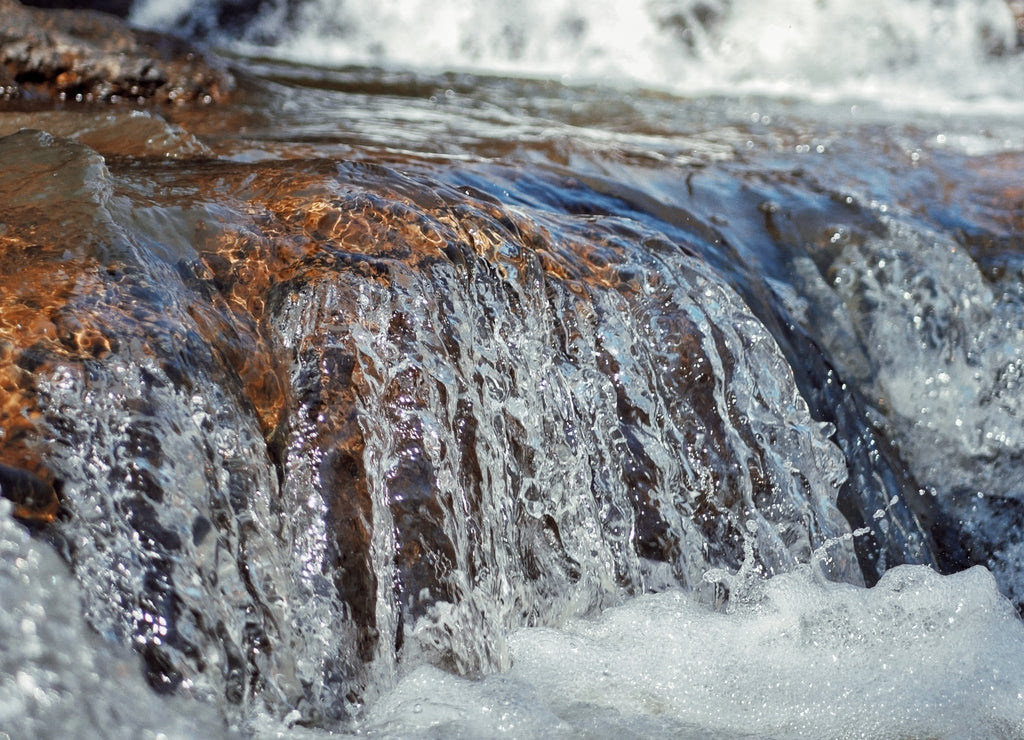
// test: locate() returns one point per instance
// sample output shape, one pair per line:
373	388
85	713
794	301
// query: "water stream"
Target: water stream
395	401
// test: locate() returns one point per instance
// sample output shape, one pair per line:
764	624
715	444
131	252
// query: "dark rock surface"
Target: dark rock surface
119	8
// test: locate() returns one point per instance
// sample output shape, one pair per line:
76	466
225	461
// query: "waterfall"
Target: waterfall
331	417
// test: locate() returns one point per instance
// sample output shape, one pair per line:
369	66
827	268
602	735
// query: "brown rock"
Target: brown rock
110	131
90	56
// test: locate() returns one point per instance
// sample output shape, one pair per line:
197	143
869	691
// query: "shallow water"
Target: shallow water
401	402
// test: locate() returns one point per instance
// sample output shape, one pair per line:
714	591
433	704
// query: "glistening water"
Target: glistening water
514	372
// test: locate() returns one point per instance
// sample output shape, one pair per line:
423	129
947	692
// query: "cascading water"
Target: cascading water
912	51
419	403
492	419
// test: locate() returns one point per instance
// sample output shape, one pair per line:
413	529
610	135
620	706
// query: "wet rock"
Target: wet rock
114	132
120	8
34	499
91	56
1017	8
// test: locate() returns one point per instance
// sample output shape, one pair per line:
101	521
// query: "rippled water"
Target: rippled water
407	403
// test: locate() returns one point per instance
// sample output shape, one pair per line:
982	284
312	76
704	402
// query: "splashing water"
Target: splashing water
924	53
549	415
806	658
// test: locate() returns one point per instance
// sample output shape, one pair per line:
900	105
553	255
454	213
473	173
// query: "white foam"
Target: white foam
162	14
918	655
922	53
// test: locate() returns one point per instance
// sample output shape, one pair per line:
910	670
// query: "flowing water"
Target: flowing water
525	370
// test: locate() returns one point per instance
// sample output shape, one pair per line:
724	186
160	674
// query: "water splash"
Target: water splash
909	656
925	53
57	677
325	425
944	368
555	435
329	420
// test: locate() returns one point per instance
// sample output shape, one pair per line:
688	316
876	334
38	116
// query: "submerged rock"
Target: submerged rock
86	56
111	132
34	498
309	420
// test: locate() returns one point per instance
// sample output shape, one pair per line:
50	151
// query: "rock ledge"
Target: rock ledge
89	56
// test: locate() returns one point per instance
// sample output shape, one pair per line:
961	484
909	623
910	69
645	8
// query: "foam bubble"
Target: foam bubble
918	655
